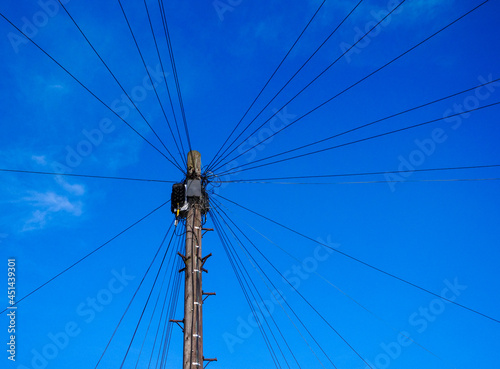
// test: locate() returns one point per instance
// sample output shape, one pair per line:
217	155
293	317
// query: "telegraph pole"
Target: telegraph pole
197	206
193	313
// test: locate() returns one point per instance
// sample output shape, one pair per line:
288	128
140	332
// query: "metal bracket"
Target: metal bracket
208	361
205	258
206	294
177	322
206	230
183	257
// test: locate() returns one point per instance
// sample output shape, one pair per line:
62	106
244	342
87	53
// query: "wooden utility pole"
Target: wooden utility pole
190	201
193	295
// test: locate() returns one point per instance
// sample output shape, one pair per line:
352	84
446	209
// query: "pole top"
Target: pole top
193	165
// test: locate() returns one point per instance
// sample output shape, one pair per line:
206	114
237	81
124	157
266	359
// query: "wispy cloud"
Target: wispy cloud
46	205
56	87
75	189
36	202
39	159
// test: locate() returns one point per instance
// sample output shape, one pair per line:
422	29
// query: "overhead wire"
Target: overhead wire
86	256
266	84
92	93
232	171
217	209
293	76
377	121
149	297
362	262
416	170
174	69
118	82
147	70
133	296
84	175
168	326
241	281
262	318
389	14
356	83
223	239
167	301
379	182
160	181
302	297
165	273
182	153
242	267
365	173
342	291
162	317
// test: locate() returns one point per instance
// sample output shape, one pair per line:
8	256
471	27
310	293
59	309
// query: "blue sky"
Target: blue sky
436	234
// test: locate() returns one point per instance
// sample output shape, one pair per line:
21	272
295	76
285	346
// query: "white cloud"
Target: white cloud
39	159
75	189
47	205
38	220
53	202
56	87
